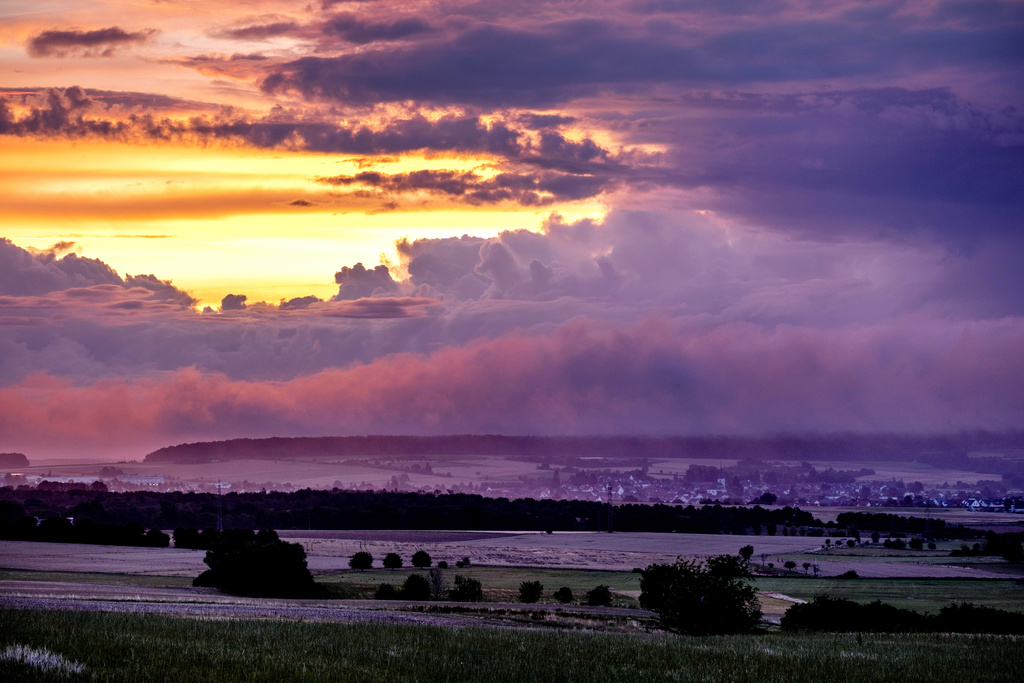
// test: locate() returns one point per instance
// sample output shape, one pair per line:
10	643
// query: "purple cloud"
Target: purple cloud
350	28
258	31
103	42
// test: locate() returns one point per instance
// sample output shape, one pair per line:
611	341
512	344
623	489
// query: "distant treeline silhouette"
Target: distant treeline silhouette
8	460
949	449
83	530
337	509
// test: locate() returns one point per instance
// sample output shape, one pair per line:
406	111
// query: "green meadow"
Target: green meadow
131	647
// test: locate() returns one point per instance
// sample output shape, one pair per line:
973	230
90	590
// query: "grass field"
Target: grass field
501	584
922	595
93	578
125	647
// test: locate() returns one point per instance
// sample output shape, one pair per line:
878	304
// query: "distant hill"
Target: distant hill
8	460
950	449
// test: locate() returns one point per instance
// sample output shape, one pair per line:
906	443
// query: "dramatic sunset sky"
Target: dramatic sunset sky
264	217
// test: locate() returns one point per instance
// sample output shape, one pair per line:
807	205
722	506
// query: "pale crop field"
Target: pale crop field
579	550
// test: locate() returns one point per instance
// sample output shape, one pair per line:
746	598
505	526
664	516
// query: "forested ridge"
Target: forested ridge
950	448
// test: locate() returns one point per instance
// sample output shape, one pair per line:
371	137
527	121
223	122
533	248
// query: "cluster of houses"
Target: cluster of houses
635	487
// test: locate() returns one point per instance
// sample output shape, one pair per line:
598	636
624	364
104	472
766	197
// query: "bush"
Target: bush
258	565
530	591
421	559
361	560
466	590
416	587
849	575
392	561
836	615
967	618
600	596
563	595
708	597
387	591
442	565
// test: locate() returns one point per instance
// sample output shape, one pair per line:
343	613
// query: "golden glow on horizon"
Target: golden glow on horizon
220	219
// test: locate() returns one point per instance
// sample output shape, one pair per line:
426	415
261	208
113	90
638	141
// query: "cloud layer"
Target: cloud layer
805	216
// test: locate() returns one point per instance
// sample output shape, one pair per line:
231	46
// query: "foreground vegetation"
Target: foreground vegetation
123	647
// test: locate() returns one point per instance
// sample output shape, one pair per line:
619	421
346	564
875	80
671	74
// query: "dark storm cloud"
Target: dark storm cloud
74	112
351	28
507	65
102	42
538	189
886	161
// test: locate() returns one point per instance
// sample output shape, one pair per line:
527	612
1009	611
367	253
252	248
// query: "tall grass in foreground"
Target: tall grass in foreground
133	647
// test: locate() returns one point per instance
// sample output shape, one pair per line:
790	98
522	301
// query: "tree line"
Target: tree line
837	615
338	509
63	530
385	510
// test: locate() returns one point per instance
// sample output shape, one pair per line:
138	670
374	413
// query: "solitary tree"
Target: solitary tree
695	597
530	591
807	567
789	564
392	561
600	596
361	560
421	559
466	590
416	588
438	583
746	552
563	595
387	591
258	565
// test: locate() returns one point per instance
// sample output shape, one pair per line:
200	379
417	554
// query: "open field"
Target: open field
922	595
329	551
129	647
582	550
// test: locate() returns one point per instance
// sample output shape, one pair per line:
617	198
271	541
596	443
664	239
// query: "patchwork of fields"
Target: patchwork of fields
57	599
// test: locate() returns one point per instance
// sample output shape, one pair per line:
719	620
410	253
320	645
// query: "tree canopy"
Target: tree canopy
702	597
258	565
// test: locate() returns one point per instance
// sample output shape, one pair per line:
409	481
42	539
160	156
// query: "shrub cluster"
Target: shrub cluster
431	587
709	597
836	615
260	565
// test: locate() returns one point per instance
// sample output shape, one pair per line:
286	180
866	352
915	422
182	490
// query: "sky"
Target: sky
659	217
